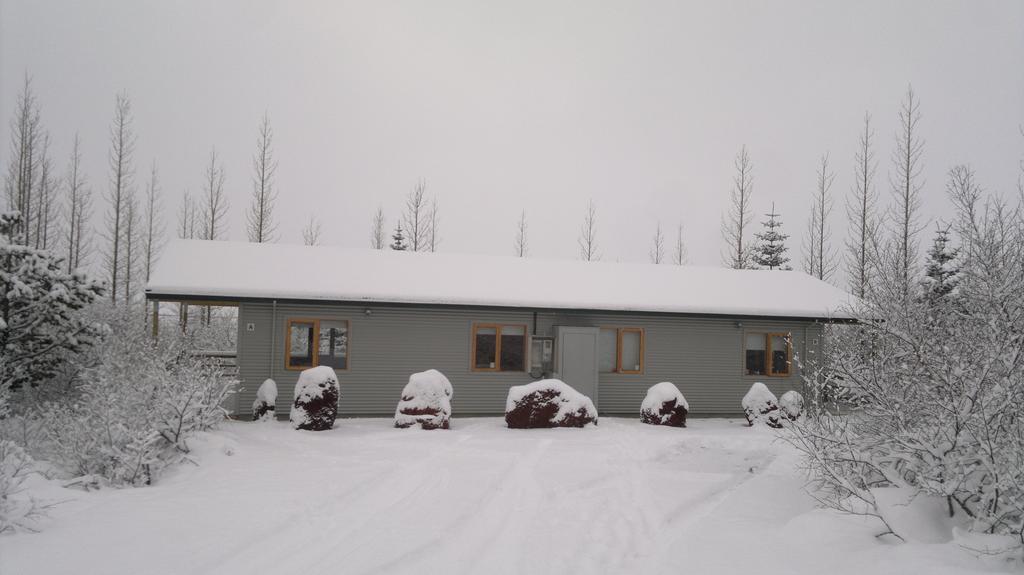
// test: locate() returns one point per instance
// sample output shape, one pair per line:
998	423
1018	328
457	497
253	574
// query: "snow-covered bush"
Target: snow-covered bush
316	400
41	326
135	409
791	404
18	510
664	404
426	401
761	405
263	405
939	382
548	403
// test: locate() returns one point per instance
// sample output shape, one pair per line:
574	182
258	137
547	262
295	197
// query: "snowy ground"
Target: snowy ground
366	498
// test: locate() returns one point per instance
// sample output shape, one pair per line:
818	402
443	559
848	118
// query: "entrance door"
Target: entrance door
577	358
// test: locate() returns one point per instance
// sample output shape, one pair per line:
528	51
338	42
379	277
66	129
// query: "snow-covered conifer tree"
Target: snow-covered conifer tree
770	250
941	274
399	239
40	301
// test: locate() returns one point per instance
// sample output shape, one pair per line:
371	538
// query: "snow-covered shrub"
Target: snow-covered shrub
426	401
135	409
41	327
939	382
791	404
18	510
548	403
263	405
761	405
316	400
664	404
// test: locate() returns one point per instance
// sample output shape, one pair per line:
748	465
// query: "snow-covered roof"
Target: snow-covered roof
216	269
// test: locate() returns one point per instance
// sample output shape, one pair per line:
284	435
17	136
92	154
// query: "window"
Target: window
499	347
768	354
314	342
621	350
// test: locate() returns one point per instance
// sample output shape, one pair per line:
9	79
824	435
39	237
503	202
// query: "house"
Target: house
610	330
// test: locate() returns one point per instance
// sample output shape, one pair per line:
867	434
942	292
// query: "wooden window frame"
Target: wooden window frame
497	348
768	335
618	349
316	348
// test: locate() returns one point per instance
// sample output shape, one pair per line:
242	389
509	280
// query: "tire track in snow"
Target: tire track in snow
474	539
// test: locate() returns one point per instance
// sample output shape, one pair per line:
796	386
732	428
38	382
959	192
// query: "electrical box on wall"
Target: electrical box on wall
250	326
542	356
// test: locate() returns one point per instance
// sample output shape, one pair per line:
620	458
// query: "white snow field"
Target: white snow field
621	497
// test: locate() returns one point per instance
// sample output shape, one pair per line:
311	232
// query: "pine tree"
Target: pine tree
39	309
399	239
941	272
770	251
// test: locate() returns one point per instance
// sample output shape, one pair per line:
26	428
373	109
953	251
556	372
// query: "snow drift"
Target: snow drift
316	400
664	405
548	403
426	400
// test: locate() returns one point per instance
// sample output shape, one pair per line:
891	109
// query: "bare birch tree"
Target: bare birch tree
862	241
260	219
311	233
46	190
215	203
736	223
679	255
153	235
122	173
818	257
433	237
26	136
902	252
588	235
521	245
378	239
657	252
78	210
131	246
187	217
416	218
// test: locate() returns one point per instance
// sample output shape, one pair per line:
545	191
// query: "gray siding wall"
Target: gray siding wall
704	357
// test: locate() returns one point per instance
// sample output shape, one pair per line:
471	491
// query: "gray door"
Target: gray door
577	358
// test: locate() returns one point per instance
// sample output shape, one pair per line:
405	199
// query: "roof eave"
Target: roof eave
180	297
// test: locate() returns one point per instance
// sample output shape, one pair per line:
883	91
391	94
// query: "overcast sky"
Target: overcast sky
525	105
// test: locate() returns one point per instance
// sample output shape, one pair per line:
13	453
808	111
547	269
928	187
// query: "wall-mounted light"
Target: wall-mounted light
367	312
739	325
